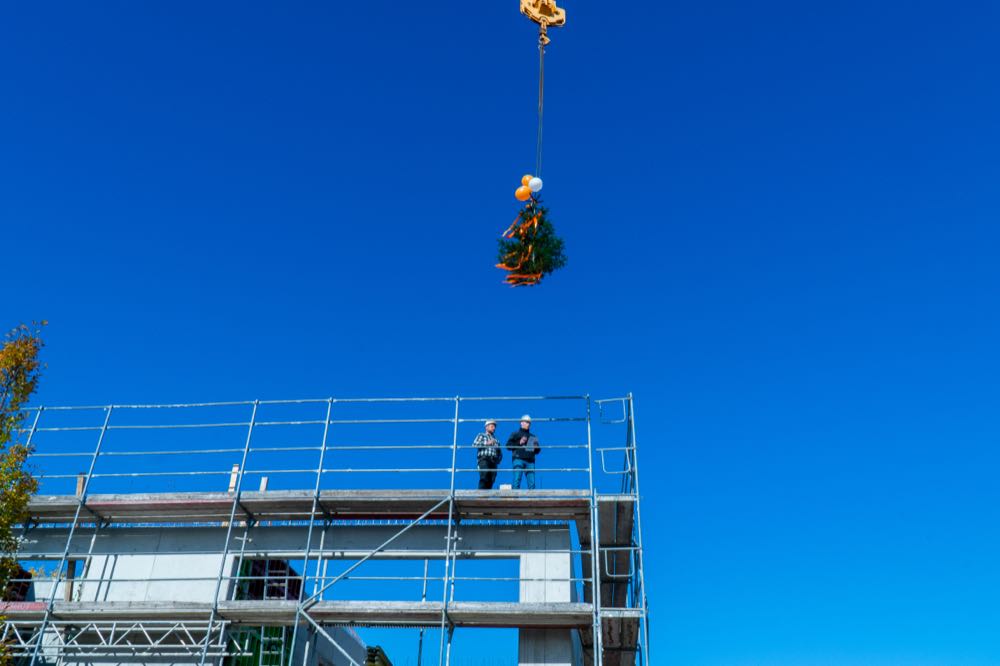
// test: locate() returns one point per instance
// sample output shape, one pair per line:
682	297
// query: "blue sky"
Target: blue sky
781	224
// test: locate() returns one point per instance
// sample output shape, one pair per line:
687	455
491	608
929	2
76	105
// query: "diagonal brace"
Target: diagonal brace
314	599
330	638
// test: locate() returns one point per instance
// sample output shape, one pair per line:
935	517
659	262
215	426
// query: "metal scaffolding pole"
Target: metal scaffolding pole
81	500
229	533
27	444
444	653
312	524
595	544
34	427
638	528
423	597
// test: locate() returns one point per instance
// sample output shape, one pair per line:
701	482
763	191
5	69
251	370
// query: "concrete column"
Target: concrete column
545	578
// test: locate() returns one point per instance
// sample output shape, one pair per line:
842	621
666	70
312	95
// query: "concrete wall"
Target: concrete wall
133	578
280	542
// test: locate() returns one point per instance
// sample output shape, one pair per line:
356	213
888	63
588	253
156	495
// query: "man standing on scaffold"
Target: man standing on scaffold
488	455
524	447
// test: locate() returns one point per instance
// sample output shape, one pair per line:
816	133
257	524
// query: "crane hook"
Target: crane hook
545	13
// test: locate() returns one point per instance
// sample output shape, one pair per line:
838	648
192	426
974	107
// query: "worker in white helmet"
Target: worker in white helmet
488	455
524	447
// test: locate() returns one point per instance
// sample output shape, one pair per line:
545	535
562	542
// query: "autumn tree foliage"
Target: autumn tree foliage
20	369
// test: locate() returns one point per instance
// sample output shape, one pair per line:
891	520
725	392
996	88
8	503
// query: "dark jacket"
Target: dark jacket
526	451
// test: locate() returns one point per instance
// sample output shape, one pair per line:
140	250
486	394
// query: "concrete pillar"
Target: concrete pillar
545	577
545	647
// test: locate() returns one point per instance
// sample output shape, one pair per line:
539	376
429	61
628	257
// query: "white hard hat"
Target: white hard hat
526	417
489	421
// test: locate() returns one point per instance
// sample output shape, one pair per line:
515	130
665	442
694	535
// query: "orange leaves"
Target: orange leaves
19	368
19	373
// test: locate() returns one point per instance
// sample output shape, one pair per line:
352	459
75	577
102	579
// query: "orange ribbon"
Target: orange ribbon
520	229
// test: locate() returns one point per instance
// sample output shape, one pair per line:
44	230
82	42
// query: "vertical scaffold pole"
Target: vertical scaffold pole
312	523
444	654
423	597
638	522
80	501
595	544
229	534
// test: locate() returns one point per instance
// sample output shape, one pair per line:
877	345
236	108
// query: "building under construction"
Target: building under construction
299	531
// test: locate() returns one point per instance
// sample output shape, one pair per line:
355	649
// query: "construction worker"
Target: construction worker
488	455
524	447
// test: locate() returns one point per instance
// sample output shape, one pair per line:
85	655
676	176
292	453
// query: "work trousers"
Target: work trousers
526	469
487	474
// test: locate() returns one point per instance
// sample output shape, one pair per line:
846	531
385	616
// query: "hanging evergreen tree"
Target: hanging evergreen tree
530	249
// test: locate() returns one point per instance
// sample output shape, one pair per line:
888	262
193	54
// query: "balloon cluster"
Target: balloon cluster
529	185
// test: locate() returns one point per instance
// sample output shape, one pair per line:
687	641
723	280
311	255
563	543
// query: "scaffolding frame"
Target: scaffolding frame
611	565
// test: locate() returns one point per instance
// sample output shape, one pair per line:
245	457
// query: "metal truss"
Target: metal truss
116	640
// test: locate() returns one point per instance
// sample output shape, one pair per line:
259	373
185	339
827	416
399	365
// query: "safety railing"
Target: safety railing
193	447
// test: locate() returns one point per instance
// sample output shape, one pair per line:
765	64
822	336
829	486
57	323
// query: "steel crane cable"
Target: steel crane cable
541	100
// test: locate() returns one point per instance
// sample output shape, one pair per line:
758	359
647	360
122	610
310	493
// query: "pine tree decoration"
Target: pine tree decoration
530	249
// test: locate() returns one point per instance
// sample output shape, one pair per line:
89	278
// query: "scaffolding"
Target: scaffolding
157	467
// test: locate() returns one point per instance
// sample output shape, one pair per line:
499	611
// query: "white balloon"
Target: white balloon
535	184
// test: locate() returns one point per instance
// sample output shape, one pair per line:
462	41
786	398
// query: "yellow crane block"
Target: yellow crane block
544	13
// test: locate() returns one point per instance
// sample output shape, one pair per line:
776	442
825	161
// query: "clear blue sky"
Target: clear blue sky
782	229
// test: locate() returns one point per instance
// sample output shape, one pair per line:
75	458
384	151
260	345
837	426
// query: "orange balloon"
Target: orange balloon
522	193
525	179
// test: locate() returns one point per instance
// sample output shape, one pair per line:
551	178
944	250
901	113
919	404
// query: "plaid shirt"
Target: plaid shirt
488	448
